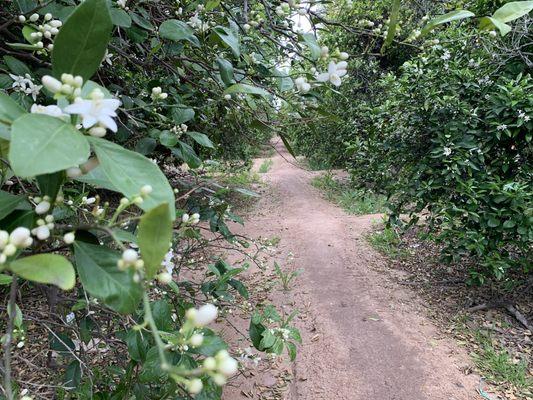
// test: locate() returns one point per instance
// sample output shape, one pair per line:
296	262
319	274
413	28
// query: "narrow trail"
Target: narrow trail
365	337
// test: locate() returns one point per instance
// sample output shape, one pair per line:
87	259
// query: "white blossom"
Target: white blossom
51	110
97	110
335	72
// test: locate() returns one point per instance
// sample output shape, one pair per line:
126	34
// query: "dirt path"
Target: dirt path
365	338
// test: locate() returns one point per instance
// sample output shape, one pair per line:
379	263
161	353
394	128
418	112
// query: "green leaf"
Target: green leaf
26	5
310	40
82	41
141	21
49	184
226	71
229	38
449	17
212	4
155	234
45	268
245	88
176	30
493	222
10	202
119	17
513	10
73	375
211	345
391	32
100	276
41	144
182	115
16	66
187	154
129	171
490	23
291	349
10	110
201	139
5	279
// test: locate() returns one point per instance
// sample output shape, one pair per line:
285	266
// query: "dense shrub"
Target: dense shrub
443	128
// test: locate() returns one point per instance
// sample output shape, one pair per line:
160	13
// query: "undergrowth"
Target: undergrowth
353	200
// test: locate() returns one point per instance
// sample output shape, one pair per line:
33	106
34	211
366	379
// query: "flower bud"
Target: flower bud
47	17
228	366
194	386
10	250
74	172
34	17
42	207
196	340
22	18
184	218
164	278
69	238
129	256
156	90
42	232
210	363
97	131
51	83
19	236
146	190
205	315
4	239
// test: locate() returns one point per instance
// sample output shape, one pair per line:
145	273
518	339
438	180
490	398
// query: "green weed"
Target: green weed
265	166
352	200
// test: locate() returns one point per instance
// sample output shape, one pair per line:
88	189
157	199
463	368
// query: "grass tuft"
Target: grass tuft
352	200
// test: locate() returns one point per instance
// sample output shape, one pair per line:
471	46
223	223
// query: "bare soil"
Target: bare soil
364	336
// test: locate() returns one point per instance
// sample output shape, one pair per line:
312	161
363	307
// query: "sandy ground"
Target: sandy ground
364	337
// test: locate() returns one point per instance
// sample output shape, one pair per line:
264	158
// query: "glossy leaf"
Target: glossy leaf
100	276
45	268
229	38
513	10
10	202
176	30
310	40
449	17
41	144
155	234
10	110
201	139
82	41
245	88
129	171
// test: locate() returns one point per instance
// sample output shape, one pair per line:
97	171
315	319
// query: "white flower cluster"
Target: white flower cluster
122	4
157	94
179	130
42	232
19	238
190	219
25	84
96	113
130	259
196	23
69	85
523	115
47	30
220	367
202	316
334	74
302	85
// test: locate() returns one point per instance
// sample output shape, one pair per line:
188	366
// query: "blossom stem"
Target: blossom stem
148	317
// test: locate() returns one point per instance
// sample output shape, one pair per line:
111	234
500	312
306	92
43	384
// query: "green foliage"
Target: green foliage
444	128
